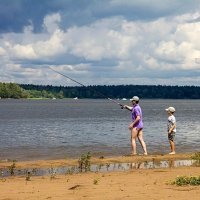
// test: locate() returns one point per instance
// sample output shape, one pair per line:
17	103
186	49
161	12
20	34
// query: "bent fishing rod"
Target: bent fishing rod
101	94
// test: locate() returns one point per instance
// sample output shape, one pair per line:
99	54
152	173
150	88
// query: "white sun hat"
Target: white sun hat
135	98
170	109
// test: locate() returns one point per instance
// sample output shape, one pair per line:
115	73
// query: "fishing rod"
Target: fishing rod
101	94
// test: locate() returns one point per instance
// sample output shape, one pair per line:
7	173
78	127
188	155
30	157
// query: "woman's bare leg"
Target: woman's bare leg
141	140
134	133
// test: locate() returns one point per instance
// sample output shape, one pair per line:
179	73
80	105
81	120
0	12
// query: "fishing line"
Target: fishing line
99	93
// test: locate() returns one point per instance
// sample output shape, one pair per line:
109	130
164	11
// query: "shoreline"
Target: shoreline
94	160
142	184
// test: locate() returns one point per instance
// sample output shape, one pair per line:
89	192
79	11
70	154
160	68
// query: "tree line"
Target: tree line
13	90
16	91
120	91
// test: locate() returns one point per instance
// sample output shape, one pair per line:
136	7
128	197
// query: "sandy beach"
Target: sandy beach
116	185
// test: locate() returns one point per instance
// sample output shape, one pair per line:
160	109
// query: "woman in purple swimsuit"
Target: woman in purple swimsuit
136	125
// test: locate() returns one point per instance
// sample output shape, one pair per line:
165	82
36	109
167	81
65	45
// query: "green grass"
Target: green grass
196	157
184	180
12	168
84	162
38	98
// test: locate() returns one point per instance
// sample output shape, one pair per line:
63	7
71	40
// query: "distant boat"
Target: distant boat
124	99
76	98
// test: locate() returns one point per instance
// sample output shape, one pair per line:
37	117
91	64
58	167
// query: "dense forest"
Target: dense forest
119	91
13	90
16	91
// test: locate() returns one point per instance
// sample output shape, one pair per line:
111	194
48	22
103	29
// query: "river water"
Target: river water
51	129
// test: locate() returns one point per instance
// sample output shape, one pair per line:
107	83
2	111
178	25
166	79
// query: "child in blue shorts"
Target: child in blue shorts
171	128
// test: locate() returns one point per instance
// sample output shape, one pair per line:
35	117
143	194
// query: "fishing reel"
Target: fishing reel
122	106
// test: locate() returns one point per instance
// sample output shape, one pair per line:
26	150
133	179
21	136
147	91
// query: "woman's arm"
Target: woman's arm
128	107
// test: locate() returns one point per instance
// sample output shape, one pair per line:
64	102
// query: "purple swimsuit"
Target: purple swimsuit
136	111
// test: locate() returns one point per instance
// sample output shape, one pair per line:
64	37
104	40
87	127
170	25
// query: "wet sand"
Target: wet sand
94	160
132	184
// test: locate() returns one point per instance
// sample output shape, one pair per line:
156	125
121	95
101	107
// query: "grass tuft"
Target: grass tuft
84	162
196	157
184	180
12	168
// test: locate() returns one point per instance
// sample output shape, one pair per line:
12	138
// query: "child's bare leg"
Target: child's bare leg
172	145
141	140
134	133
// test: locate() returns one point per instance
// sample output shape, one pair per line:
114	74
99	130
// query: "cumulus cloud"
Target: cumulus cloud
108	50
51	22
27	46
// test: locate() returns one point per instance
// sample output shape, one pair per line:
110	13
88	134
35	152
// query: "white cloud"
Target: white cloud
31	46
101	40
2	51
50	47
23	51
119	46
51	22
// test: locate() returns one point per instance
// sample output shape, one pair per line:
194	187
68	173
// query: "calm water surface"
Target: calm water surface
48	129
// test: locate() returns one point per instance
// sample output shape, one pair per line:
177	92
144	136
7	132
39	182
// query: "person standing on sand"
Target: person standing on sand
171	128
136	125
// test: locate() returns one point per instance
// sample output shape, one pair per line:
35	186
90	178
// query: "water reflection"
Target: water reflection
108	167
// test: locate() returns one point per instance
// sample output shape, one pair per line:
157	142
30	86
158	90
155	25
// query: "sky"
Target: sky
100	42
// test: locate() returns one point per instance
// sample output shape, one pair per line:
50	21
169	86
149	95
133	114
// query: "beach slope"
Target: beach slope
115	185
